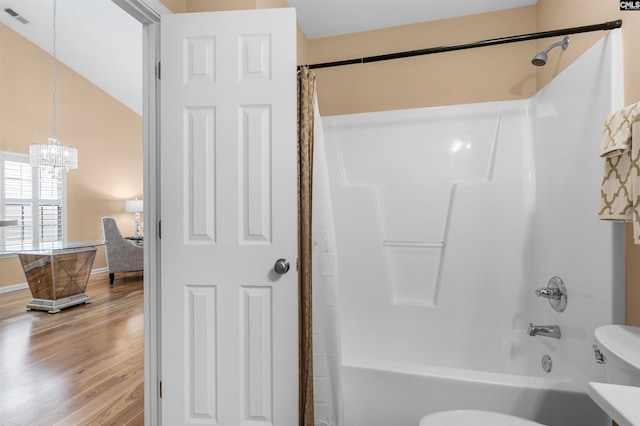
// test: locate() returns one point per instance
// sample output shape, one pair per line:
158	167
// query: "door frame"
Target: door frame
149	13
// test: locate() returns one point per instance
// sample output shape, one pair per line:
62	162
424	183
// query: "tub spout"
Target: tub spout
544	330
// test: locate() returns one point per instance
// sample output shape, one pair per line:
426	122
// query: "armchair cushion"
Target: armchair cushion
122	255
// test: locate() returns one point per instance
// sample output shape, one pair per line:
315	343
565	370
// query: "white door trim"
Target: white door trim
148	13
145	11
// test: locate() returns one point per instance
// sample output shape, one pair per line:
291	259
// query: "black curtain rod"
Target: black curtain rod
492	42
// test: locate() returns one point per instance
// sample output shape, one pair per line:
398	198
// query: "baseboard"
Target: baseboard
14	287
22	286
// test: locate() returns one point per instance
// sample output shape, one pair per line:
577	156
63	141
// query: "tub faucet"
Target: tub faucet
549	293
544	330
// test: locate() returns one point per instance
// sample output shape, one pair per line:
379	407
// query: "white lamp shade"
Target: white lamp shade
133	206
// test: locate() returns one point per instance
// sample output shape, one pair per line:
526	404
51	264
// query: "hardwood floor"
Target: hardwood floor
81	366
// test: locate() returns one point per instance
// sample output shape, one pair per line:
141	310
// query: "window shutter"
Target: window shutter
34	197
18	191
50	202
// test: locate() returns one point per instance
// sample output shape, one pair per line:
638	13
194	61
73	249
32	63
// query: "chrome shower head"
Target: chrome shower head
541	58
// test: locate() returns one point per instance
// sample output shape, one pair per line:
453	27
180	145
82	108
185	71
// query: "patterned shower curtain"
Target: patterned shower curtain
320	348
306	89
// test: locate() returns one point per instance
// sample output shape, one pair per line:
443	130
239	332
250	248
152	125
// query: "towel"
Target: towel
620	148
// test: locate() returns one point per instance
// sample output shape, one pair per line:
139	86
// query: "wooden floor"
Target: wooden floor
82	366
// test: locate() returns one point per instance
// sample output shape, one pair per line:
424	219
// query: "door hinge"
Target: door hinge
158	68
160	388
160	229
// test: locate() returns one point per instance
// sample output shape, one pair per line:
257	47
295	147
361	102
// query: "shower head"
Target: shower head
541	58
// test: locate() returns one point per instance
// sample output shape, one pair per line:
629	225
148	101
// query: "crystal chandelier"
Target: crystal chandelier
52	156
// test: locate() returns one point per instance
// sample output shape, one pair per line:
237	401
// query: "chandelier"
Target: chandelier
52	156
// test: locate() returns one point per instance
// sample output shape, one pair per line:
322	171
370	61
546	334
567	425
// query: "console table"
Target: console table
57	272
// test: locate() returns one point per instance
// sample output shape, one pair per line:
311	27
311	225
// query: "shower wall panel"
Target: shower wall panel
568	239
449	218
432	211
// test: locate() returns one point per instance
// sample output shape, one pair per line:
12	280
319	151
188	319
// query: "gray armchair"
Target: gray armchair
122	255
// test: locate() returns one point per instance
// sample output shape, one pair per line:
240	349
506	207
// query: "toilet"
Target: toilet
620	345
474	418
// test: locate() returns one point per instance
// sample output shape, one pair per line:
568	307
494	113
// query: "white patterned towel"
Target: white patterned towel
620	147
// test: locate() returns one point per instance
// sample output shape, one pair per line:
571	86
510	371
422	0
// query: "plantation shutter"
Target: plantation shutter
32	196
49	204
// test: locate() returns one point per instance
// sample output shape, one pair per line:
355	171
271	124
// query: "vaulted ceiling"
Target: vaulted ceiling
95	38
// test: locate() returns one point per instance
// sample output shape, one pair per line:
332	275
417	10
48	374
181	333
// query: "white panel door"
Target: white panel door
228	209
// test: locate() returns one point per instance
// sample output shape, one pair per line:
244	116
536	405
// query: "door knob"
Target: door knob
281	266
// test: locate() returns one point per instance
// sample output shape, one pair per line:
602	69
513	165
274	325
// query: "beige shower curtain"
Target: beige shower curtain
306	84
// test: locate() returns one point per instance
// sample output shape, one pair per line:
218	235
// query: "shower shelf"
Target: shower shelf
413	244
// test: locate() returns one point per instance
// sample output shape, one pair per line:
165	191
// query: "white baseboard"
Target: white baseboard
22	286
13	287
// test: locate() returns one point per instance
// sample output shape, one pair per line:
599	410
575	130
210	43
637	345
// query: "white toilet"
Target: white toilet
474	418
620	345
618	348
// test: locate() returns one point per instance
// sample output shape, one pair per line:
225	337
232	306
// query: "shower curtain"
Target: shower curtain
320	353
327	356
306	89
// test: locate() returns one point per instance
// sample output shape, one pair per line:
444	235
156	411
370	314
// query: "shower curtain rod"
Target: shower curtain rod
606	26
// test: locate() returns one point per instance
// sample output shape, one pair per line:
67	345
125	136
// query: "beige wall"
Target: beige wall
552	14
107	134
176	6
474	75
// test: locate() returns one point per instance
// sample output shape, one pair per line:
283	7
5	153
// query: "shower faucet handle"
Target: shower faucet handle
556	293
549	293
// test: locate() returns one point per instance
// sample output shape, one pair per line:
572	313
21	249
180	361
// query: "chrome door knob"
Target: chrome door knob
281	266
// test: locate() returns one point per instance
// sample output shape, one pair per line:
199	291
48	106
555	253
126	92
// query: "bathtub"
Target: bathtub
398	394
447	220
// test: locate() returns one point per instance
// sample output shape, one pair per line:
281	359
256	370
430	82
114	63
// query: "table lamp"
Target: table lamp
135	206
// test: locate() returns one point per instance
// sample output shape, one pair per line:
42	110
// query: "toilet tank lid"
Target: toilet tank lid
621	340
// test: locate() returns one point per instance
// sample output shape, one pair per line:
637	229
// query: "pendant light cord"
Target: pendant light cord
52	156
53	73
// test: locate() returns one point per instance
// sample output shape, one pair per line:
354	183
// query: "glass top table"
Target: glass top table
50	247
57	272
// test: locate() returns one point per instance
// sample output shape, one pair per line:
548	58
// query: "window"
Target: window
32	196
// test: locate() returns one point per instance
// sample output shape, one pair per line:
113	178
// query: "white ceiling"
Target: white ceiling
324	18
104	44
95	38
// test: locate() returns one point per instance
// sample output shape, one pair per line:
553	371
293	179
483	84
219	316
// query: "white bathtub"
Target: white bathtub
447	220
387	394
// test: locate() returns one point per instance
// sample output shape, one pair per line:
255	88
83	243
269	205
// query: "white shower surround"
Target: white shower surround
447	220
